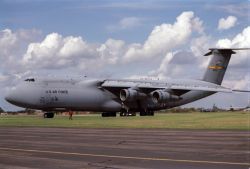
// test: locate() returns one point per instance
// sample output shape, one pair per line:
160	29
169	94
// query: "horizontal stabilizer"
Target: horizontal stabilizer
230	50
236	90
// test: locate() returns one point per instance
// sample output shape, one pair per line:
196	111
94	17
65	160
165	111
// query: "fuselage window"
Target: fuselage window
30	80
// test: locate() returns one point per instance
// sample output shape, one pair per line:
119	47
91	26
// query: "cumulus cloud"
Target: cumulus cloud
56	51
194	61
111	50
163	69
175	64
12	45
227	23
238	83
7	41
10	40
241	40
165	37
3	78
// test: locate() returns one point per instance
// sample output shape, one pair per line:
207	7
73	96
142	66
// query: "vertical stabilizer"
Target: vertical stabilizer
218	64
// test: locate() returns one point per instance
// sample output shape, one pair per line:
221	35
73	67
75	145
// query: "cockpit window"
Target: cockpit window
30	80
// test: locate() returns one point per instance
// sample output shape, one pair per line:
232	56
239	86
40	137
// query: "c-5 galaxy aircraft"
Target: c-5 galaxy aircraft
121	95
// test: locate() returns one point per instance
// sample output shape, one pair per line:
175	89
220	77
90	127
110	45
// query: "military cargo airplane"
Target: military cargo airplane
126	96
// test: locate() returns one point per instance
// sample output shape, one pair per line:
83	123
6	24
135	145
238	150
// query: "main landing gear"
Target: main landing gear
48	115
127	113
130	113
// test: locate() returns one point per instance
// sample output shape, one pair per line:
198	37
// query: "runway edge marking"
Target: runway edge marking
125	157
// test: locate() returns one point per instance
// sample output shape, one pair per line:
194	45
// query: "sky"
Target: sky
151	39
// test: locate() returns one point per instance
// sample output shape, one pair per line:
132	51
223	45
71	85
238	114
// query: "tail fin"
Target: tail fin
218	64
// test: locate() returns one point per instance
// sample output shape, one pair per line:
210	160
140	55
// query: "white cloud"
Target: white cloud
56	51
165	37
130	22
7	41
241	9
199	46
3	78
126	23
163	69
227	23
12	45
236	83
241	40
111	50
175	65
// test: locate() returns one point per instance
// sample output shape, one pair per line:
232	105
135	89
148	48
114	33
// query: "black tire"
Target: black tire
51	115
133	114
142	113
112	114
48	115
104	115
151	113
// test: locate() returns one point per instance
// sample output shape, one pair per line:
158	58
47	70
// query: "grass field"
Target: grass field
210	121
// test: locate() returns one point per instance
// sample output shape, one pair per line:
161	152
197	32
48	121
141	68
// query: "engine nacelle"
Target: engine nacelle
130	95
160	96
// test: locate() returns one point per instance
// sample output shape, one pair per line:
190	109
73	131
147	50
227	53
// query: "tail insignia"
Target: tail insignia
216	67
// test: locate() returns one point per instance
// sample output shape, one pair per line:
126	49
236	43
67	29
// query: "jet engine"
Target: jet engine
160	96
131	95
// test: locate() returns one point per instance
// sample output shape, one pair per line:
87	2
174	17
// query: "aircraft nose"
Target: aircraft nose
10	97
19	96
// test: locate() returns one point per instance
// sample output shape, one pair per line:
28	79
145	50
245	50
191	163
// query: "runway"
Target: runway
25	148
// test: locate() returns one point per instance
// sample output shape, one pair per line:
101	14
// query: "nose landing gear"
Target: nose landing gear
48	115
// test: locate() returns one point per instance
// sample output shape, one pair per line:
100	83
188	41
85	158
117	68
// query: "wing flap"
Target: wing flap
244	91
203	88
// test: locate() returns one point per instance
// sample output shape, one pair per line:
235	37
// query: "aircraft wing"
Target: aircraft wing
154	85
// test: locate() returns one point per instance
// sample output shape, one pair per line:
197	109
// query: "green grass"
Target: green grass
209	121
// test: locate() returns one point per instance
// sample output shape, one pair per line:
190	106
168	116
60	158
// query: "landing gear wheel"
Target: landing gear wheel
142	113
48	115
151	113
123	113
133	113
126	113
